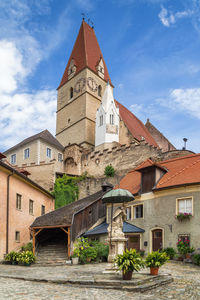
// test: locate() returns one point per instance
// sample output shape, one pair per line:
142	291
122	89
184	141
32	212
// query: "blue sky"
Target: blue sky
151	48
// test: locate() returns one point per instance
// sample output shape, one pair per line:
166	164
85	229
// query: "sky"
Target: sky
151	49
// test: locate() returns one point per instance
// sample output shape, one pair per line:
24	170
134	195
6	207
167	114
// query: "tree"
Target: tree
109	171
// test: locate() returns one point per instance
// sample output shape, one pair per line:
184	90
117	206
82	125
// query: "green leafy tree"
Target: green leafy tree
66	190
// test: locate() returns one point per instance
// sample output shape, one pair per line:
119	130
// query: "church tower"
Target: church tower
107	120
80	91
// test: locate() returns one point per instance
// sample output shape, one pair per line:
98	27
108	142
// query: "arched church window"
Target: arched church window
71	92
101	120
111	119
99	90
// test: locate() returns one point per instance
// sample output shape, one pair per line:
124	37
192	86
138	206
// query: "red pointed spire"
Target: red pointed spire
86	53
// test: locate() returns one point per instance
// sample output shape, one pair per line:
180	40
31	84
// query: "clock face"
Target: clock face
79	85
92	84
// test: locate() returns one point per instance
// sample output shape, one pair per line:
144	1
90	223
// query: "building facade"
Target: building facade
22	200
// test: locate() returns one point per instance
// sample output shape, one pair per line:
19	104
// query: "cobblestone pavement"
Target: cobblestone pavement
186	284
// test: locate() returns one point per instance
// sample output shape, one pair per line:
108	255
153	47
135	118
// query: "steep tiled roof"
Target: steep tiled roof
44	135
149	163
86	53
134	125
180	171
160	139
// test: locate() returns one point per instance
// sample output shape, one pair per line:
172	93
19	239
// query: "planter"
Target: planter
188	256
127	275
88	259
154	271
75	260
27	264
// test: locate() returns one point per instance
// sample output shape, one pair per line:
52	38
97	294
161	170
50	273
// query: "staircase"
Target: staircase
51	254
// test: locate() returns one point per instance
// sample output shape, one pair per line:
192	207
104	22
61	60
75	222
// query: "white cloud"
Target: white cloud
168	18
23	115
187	100
11	69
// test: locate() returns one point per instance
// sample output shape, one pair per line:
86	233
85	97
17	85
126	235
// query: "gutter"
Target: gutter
7	210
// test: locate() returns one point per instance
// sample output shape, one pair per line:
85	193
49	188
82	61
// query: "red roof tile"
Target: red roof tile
135	126
180	171
86	53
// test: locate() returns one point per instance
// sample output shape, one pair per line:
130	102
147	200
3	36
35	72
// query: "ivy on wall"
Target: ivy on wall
66	190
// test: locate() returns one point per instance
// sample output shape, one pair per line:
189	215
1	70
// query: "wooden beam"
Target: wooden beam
33	242
64	230
68	242
53	226
38	231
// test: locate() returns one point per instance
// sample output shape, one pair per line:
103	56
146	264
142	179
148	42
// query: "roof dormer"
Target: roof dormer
151	173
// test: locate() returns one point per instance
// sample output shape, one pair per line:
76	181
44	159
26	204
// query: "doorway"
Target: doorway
157	239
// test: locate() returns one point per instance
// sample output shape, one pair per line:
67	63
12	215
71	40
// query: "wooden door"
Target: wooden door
157	239
133	242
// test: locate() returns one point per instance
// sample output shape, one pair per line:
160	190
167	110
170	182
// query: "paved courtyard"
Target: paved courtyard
186	284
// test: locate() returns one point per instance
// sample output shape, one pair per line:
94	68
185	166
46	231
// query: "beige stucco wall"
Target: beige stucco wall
19	220
159	213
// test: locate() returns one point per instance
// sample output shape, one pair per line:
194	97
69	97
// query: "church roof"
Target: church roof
134	125
44	135
86	53
181	171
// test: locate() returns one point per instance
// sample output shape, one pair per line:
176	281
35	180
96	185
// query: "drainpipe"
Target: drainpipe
7	210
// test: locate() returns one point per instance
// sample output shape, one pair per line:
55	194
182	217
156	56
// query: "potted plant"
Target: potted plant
75	258
184	248
128	262
154	260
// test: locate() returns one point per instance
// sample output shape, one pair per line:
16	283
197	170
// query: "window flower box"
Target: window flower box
183	216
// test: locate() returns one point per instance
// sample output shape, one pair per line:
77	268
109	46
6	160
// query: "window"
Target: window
42	210
99	90
138	211
128	213
71	92
49	152
101	120
26	153
59	156
184	205
30	206
17	236
111	119
184	237
13	159
18	201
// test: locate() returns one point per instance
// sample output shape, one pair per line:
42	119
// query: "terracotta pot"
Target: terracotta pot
154	271
88	259
127	275
188	256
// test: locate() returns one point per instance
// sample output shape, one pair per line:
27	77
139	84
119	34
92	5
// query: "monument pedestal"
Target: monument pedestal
117	246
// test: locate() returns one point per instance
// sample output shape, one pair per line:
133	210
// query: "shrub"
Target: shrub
101	248
12	257
183	247
130	260
26	257
27	247
109	171
196	259
156	259
141	252
170	252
